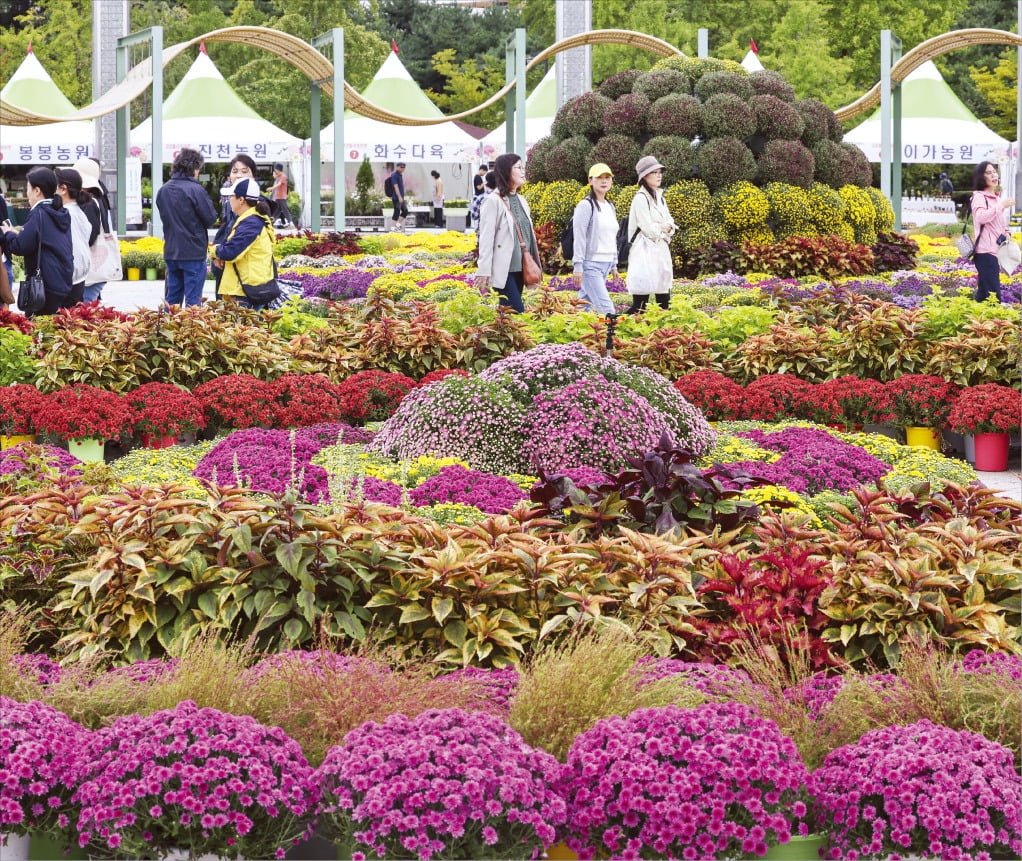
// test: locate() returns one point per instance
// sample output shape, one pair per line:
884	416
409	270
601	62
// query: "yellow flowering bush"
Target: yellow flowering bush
408	473
923	464
690	203
756	233
884	210
451	241
145	466
860	212
741	205
826	208
790	209
769	495
452	512
733	449
552	201
145	244
401	285
525	482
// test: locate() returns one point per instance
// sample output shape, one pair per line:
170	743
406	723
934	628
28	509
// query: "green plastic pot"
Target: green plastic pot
797	849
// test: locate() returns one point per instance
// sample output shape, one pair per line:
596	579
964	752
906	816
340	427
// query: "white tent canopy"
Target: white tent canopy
936	127
52	143
540	110
751	63
393	88
204	113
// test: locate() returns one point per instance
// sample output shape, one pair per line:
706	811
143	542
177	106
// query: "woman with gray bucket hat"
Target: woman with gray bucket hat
650	269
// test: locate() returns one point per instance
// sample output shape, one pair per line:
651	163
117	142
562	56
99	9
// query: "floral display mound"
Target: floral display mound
550	408
708	782
920	789
446	783
201	778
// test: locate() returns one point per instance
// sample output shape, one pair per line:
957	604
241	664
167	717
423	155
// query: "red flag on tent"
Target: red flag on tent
752	45
29	47
393	46
202	48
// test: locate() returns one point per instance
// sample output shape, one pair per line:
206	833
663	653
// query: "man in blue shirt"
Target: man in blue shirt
397	195
187	213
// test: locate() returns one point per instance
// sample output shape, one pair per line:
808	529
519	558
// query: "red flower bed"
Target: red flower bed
84	412
989	408
922	400
18	404
238	401
372	395
774	397
860	401
718	397
162	410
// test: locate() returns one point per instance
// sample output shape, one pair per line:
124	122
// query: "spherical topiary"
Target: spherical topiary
715	83
776	118
697	67
741	204
559	127
829	163
790	213
826	208
619	84
855	166
627	115
689	201
674	153
662	82
536	162
835	131
619	152
723	161
569	159
860	213
728	115
884	211
585	114
817	117
677	115
770	83
786	161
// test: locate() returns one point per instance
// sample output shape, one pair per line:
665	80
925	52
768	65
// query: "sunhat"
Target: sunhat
88	170
647	164
599	169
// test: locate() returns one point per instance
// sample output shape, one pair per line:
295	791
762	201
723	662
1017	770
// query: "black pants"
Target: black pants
400	209
639	302
55	303
281	211
988	276
438	216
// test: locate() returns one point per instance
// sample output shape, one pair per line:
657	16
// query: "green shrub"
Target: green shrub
619	84
658	83
674	153
584	114
724	161
17	364
786	161
677	115
627	115
715	83
730	327
569	159
728	115
771	83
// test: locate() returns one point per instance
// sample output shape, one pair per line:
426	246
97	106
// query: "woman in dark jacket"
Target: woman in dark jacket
52	222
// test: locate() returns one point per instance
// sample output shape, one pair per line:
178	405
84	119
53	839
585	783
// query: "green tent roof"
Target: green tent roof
32	88
203	92
393	88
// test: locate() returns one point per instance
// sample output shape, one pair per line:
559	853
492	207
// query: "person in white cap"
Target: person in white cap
247	253
594	227
650	268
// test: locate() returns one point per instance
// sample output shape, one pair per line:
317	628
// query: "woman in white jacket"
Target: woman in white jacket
501	217
650	268
594	226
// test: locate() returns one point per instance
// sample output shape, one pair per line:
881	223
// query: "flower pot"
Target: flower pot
14	847
134	273
42	848
922	438
797	849
970	448
991	452
12	440
89	450
153	441
151	273
883	430
561	852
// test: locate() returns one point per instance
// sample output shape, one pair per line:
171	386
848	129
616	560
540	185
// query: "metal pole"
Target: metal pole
520	92
157	159
896	153
1018	117
314	177
122	142
703	43
337	38
885	114
509	100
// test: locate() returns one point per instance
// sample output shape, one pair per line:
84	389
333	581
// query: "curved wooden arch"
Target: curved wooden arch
928	50
315	67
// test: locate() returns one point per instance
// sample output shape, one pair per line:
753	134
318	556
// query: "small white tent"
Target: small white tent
936	127
204	113
751	63
51	143
540	110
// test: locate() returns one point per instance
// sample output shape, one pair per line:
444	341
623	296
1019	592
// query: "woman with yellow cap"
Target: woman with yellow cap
594	226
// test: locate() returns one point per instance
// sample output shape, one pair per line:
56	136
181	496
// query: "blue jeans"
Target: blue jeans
988	276
93	291
185	280
594	286
511	294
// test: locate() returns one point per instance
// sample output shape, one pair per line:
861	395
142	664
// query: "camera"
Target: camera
1002	239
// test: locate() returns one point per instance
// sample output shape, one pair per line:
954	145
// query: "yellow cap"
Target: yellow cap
599	170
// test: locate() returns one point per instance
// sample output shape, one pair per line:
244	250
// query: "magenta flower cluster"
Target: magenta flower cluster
498	685
715	680
493	494
38	667
20	457
921	789
812	461
39	748
710	782
446	783
201	778
1001	663
145	672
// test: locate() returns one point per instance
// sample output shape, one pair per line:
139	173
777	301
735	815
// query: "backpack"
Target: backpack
945	186
568	235
624	244
388	185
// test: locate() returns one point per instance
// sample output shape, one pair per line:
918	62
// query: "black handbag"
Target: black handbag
32	292
262	294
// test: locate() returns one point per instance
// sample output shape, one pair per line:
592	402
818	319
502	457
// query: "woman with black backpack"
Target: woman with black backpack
594	230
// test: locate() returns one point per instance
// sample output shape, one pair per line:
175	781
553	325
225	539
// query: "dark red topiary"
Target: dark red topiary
662	82
627	115
715	83
723	161
677	115
770	83
620	152
617	85
728	115
569	159
675	153
584	114
776	118
786	161
817	117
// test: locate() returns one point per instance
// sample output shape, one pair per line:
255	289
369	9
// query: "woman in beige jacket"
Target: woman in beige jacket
500	255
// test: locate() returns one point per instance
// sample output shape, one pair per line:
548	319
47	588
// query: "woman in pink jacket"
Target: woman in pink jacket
990	217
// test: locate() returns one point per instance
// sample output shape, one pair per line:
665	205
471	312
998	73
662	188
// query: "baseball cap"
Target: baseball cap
245	187
599	169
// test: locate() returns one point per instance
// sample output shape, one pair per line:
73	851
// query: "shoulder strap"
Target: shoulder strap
518	229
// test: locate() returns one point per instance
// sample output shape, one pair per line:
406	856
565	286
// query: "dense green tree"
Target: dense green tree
469	84
999	89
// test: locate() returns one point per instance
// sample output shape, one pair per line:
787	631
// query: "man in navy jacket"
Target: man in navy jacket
187	213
